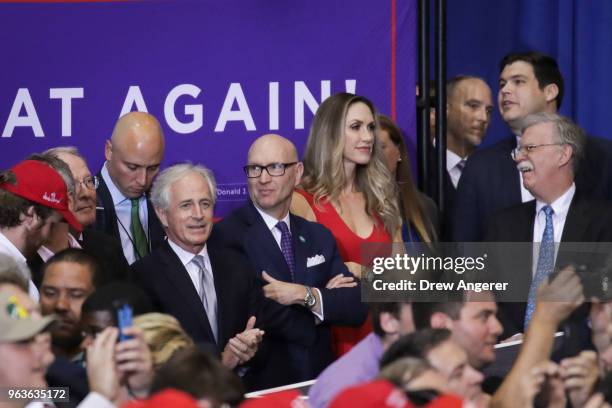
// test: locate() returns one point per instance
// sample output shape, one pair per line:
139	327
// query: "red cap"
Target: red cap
284	399
40	183
372	394
164	399
446	401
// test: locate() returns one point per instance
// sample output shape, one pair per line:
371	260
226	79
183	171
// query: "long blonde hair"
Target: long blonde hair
323	166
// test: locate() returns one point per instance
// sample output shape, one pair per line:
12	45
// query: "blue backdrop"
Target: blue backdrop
577	33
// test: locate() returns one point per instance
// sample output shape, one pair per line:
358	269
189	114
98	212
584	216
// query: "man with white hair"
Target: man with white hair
548	155
209	289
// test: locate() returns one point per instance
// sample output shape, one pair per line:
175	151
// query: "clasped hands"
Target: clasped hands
243	346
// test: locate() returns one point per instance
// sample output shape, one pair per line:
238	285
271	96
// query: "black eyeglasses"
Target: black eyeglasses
91	182
273	169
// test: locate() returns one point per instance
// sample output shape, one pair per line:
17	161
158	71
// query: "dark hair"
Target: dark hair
422	312
417	344
78	256
410	203
107	297
545	68
200	375
12	206
378	308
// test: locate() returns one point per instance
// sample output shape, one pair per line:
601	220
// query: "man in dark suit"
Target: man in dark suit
209	289
83	206
548	156
468	116
296	260
529	83
133	156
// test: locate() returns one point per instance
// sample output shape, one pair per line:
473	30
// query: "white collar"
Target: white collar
115	193
561	205
186	256
270	220
12	250
452	159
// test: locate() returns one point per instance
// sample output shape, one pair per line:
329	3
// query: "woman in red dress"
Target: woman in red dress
347	187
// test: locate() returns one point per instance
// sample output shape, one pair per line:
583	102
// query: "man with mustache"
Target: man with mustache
133	157
83	206
529	83
548	156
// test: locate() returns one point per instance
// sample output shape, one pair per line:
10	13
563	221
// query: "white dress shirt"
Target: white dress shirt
8	248
271	224
123	209
560	207
192	269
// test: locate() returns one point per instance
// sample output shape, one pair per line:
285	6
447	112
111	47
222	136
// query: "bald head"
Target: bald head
134	153
272	193
271	142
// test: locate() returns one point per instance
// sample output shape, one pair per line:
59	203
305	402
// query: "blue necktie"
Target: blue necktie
287	247
546	262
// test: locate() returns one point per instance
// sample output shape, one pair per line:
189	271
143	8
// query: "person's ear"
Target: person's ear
299	171
566	155
441	320
551	91
108	150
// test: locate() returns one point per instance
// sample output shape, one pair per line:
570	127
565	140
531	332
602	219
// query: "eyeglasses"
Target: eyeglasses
91	182
274	169
516	152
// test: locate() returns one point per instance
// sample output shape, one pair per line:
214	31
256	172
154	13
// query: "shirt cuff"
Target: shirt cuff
95	400
321	315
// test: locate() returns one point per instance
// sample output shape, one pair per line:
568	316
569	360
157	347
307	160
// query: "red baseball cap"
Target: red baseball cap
38	182
163	399
282	399
378	393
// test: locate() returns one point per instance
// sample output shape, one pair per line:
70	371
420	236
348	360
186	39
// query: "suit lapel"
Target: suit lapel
300	246
106	218
178	276
222	287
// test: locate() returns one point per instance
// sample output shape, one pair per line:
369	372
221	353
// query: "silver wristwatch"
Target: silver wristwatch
309	300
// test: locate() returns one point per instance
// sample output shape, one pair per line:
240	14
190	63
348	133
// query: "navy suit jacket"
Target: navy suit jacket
490	182
587	221
106	217
164	278
246	231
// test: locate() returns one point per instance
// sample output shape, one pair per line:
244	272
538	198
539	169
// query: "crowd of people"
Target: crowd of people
271	294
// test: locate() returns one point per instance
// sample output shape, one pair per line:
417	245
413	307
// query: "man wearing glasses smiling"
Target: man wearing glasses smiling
296	261
550	149
83	206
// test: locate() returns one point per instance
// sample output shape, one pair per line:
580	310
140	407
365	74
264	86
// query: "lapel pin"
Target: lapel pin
302	239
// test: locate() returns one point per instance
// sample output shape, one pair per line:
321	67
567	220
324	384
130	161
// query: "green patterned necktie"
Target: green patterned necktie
141	246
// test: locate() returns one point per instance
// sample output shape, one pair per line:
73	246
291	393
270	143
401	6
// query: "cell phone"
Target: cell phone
124	319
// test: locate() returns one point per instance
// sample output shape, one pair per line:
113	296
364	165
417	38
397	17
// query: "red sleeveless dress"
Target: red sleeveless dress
351	247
